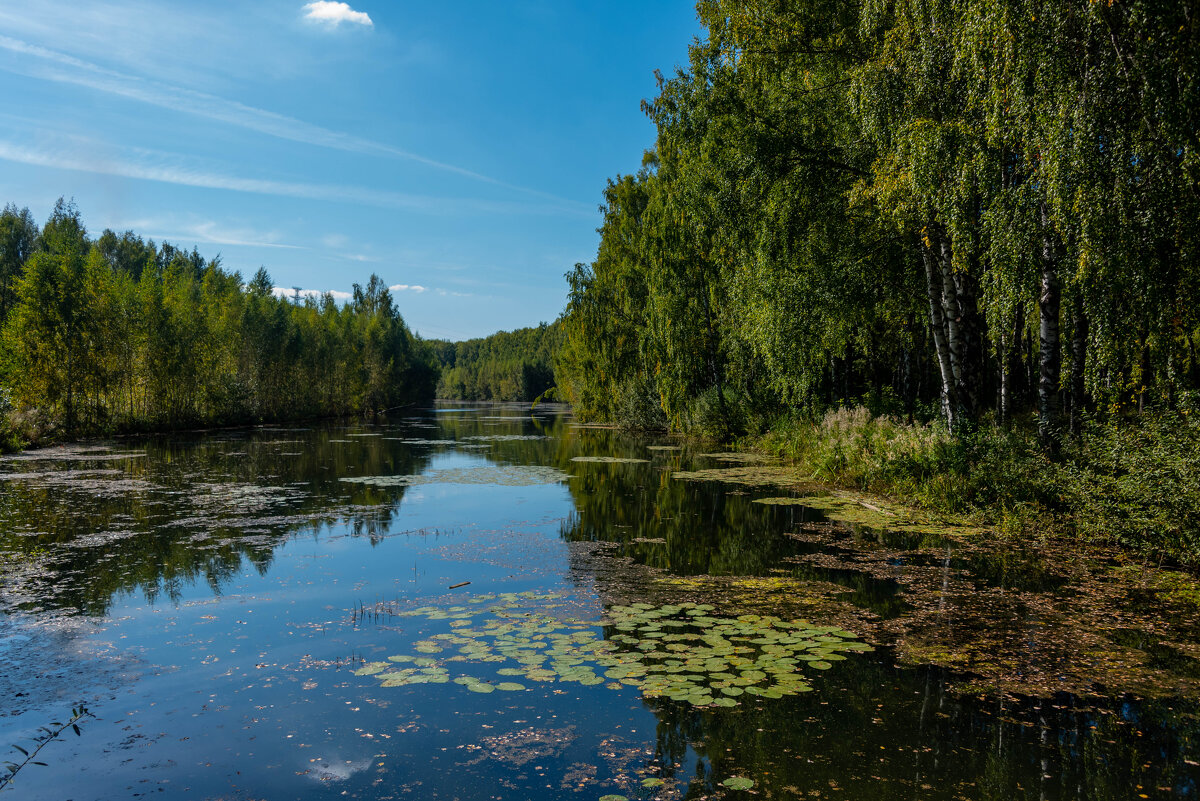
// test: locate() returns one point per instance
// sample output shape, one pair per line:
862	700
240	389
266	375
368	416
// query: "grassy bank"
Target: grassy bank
1135	482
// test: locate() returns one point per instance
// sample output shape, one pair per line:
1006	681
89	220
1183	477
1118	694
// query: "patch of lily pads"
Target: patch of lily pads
684	651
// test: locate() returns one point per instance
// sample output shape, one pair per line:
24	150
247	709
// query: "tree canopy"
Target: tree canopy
960	209
506	366
119	334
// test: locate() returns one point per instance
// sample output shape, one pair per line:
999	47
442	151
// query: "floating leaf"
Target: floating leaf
371	668
738	783
677	651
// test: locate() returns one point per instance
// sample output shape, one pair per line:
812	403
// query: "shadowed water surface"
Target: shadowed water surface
268	613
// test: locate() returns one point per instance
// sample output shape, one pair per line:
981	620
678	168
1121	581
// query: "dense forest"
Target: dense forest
989	207
506	366
117	334
977	221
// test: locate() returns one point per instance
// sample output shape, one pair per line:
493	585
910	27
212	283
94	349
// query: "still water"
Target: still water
484	602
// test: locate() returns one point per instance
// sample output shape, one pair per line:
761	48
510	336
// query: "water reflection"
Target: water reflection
221	572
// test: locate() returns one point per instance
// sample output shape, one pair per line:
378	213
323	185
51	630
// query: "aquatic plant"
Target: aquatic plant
679	651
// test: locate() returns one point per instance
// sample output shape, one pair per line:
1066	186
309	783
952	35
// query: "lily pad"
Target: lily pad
371	668
677	651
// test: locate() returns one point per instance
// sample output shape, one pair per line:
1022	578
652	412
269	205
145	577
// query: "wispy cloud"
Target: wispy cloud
334	14
212	232
168	168
408	288
52	65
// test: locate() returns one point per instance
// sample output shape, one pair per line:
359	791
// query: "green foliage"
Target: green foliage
1135	482
982	211
18	237
1132	482
982	207
121	335
45	736
507	366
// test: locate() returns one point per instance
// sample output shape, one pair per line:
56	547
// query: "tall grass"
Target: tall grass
1135	482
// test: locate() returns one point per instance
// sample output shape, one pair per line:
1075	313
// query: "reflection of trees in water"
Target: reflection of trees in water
697	528
198	510
871	730
205	507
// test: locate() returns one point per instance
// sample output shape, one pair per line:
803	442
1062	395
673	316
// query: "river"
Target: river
484	602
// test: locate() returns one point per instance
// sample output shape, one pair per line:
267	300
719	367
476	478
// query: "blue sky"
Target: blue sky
457	150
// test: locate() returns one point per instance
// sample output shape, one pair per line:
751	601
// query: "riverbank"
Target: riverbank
629	595
1133	483
30	429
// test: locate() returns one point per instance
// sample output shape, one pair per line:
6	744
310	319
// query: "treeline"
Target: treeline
970	209
506	366
117	334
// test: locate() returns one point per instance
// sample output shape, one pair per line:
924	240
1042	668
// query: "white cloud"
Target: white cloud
407	288
291	292
334	14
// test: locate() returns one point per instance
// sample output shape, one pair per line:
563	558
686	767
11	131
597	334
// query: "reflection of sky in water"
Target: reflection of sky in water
239	682
334	770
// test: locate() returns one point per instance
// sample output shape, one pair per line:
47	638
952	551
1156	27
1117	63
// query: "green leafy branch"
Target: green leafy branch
45	736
